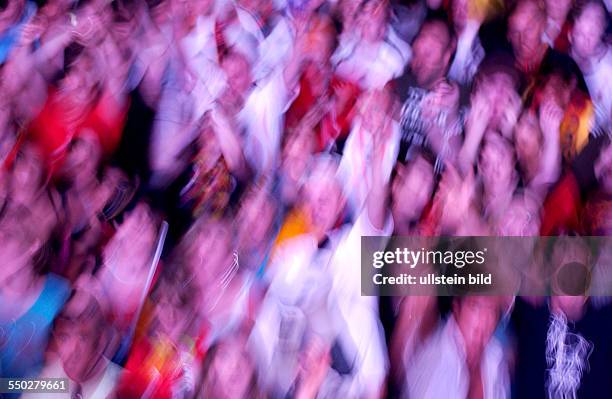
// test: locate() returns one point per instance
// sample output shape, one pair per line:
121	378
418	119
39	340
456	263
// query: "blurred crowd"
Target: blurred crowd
184	185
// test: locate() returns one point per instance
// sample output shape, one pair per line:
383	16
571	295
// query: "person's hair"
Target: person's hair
499	61
539	9
441	19
563	66
580	7
203	385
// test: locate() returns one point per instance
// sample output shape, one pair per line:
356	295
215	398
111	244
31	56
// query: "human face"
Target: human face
496	167
255	220
603	169
212	252
372	21
323	201
81	338
527	141
521	219
14	256
238	74
411	191
231	371
431	54
525	29
588	31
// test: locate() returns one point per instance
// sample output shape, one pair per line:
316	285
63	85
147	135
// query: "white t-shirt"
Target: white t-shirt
372	65
100	387
599	83
325	284
439	371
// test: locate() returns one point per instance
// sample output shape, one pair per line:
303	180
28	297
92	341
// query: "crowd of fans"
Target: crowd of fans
184	185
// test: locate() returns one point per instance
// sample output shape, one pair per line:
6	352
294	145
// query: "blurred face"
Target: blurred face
527	140
348	10
231	371
496	167
372	21
83	158
127	260
603	169
588	31
411	191
296	154
558	91
323	201
237	71
506	103
170	312
525	28
27	173
13	256
80	341
431	54
255	220
520	220
212	252
477	319
459	9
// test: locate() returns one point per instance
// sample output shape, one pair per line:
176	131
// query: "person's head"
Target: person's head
372	20
432	50
463	11
527	143
255	219
411	190
521	218
27	176
497	166
83	158
476	318
603	168
228	371
561	76
588	30
525	28
127	259
82	335
497	82
297	150
174	303
10	12
320	41
322	195
208	247
237	71
348	13
81	81
18	247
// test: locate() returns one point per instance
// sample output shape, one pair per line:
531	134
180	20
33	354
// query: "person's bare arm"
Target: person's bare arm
550	161
476	126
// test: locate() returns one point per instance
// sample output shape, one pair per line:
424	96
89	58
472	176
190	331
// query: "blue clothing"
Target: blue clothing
23	341
11	36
